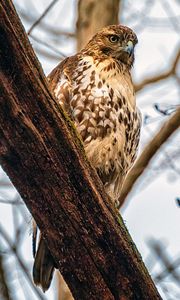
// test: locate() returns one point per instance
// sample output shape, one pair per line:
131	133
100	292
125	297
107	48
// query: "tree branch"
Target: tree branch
151	149
53	31
20	262
41	153
90	19
42	16
49	46
159	77
4	287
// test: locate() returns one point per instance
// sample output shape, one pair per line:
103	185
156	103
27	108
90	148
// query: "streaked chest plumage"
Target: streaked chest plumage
102	105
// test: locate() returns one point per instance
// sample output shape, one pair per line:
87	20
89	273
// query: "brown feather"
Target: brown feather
44	265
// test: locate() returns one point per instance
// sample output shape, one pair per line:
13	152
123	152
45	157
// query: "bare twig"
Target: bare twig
11	202
4	288
42	16
170	267
170	161
21	263
55	31
166	111
136	15
55	50
151	149
5	183
178	201
47	54
162	76
171	17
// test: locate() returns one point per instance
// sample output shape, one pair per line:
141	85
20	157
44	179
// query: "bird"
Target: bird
95	89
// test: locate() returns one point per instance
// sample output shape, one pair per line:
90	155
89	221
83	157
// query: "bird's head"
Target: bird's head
116	41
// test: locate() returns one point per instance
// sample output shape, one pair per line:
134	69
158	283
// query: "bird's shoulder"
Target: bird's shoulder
64	68
60	80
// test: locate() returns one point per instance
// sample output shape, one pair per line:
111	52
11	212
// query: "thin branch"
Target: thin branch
21	263
151	149
47	54
56	32
165	111
61	54
171	17
11	202
178	201
42	16
4	286
170	268
5	183
16	200
162	76
171	162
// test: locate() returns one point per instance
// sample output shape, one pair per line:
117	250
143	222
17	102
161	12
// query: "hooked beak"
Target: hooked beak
129	48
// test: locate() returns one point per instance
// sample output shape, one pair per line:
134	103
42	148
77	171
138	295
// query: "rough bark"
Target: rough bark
42	155
92	16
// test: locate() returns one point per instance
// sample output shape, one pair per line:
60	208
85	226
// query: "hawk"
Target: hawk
95	88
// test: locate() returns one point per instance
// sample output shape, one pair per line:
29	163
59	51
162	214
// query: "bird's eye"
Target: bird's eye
113	38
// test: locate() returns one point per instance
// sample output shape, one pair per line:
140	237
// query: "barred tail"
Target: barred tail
44	265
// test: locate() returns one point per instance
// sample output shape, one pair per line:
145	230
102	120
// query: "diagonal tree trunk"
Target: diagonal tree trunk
42	155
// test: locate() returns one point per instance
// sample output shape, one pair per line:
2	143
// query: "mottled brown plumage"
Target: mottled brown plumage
95	88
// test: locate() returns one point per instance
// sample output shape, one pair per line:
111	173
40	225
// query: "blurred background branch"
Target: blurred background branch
141	164
43	15
4	282
158	77
13	248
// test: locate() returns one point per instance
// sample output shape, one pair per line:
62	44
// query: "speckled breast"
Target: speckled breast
104	110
